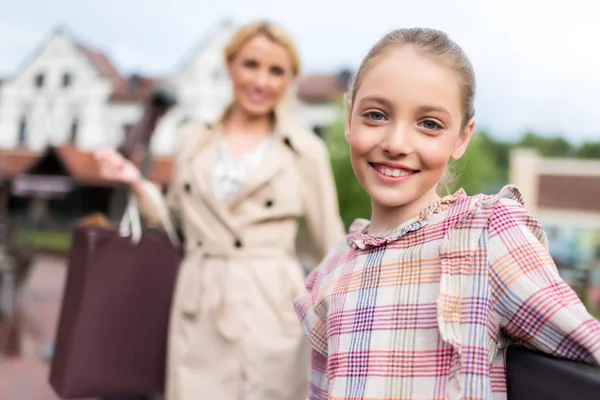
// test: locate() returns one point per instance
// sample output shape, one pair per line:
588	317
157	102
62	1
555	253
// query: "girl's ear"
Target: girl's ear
463	141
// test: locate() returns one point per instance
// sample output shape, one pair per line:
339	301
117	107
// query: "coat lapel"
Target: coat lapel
202	166
272	164
203	163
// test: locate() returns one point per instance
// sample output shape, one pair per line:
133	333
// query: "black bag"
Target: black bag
532	375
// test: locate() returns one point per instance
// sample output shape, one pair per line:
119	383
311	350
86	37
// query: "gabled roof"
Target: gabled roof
134	89
14	162
80	165
322	88
100	62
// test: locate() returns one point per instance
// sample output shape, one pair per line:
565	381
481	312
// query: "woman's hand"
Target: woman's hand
116	168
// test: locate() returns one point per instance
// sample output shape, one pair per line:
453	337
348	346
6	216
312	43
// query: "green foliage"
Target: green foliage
548	147
44	240
589	150
477	171
353	200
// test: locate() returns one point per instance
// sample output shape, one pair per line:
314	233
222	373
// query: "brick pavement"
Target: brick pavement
26	378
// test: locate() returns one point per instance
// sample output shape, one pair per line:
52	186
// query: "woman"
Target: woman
239	187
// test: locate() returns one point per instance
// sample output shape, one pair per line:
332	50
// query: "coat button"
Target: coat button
187	187
199	243
238	243
269	203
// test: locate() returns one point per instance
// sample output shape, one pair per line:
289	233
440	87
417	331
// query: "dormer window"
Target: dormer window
135	82
22	132
67	79
73	131
39	80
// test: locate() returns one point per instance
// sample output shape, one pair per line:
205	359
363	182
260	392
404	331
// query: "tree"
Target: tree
478	171
589	150
548	147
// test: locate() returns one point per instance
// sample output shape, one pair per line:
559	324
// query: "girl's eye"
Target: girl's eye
430	125
375	116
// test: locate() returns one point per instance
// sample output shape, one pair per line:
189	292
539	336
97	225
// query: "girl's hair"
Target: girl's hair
273	32
430	43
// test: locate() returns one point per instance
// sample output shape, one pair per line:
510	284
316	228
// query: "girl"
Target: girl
239	187
420	302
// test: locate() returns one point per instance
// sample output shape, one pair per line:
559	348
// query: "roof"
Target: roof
81	165
100	62
134	89
161	170
322	88
569	192
14	162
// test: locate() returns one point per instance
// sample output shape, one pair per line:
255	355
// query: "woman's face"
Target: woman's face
260	73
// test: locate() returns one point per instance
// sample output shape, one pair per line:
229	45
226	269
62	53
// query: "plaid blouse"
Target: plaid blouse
426	310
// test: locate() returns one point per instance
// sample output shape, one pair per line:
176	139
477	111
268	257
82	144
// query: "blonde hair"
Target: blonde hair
430	43
274	33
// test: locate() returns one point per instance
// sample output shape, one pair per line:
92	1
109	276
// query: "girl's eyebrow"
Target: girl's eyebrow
434	108
376	99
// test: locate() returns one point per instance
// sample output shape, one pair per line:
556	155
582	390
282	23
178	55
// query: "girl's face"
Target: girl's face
260	72
403	127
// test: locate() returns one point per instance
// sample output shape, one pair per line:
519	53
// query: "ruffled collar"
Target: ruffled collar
358	237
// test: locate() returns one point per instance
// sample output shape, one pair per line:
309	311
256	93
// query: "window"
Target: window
22	132
135	82
127	129
67	79
39	80
73	131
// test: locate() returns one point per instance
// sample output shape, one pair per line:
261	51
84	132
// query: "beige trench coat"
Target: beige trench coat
234	334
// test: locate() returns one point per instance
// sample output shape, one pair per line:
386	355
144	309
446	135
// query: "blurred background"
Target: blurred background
77	75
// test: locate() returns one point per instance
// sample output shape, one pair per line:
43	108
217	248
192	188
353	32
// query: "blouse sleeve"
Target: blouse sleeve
535	306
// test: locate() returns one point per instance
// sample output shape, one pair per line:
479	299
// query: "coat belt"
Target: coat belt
206	289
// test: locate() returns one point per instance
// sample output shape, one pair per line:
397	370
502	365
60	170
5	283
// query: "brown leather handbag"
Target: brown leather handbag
113	325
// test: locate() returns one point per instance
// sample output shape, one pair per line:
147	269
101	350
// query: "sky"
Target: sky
537	64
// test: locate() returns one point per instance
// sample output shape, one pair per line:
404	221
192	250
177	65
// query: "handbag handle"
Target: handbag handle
131	222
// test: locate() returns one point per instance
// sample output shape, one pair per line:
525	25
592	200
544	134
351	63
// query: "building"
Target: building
563	195
68	93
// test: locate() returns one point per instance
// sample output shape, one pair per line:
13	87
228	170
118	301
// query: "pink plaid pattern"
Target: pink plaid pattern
424	311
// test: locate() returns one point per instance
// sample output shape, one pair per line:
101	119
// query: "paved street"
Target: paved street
26	378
